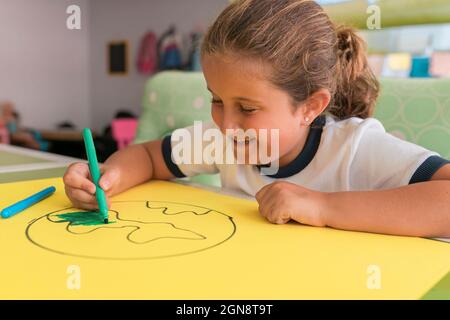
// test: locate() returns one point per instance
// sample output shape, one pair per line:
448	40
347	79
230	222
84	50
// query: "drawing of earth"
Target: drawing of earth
136	230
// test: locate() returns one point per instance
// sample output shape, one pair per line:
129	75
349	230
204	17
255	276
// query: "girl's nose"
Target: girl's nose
230	121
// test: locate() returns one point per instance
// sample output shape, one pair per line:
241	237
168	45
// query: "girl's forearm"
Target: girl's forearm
421	209
134	165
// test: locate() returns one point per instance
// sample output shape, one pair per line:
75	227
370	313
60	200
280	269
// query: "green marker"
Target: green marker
95	173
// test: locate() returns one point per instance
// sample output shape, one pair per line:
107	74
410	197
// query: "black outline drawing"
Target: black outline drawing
164	211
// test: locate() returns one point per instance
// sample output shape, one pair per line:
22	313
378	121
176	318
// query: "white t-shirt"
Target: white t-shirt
339	155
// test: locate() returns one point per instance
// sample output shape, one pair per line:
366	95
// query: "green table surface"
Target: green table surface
440	291
9	158
31	175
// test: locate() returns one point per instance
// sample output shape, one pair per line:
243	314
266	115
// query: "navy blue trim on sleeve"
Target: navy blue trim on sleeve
426	170
167	155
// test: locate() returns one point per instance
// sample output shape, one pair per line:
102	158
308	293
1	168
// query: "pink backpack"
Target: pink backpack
124	131
147	62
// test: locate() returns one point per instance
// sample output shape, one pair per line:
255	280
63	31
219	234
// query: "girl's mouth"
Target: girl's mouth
243	142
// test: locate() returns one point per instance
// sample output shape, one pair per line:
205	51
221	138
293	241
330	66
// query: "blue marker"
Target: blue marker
26	203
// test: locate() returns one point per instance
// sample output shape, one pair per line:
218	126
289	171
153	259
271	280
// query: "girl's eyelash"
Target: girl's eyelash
245	110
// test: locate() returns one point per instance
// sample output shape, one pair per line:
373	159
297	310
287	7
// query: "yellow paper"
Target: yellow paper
169	241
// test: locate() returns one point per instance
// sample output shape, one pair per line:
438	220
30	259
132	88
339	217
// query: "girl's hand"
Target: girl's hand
282	201
81	190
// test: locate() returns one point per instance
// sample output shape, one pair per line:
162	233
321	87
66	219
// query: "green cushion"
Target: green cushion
417	110
174	99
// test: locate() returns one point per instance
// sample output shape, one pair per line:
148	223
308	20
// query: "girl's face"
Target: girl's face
243	98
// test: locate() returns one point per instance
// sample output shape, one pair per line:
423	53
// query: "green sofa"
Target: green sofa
174	99
417	110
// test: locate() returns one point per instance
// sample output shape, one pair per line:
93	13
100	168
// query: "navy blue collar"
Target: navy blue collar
306	155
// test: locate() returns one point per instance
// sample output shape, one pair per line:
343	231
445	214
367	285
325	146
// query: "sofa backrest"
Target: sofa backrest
417	110
172	99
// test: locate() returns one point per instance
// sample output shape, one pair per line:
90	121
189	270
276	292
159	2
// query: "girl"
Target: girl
283	65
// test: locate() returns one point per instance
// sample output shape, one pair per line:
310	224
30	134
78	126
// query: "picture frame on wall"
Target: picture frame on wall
117	58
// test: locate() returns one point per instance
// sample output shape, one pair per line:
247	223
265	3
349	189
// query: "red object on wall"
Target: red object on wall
147	62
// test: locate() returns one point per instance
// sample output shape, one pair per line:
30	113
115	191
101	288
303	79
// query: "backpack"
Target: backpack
170	51
148	54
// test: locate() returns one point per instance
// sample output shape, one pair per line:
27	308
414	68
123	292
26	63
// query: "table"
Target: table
19	164
63	135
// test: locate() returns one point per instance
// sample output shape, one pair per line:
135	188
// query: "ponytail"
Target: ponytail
356	87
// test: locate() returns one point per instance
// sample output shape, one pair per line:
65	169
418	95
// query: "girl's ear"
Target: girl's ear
314	106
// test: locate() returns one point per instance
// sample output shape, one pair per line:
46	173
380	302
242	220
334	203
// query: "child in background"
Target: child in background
4	133
284	65
20	136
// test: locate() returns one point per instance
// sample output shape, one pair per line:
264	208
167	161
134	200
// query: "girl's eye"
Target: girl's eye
243	109
247	109
215	101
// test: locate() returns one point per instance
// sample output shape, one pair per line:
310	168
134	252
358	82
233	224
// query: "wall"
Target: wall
414	39
119	19
393	12
43	65
53	74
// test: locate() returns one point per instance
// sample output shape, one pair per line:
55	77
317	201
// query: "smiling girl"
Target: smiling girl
283	65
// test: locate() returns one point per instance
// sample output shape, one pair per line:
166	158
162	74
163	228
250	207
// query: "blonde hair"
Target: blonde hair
305	50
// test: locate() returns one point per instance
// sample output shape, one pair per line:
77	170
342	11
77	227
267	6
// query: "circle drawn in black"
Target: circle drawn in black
144	229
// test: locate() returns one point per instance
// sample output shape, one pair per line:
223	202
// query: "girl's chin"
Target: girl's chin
248	159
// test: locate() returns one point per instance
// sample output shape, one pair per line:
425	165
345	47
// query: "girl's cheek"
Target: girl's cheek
286	141
216	115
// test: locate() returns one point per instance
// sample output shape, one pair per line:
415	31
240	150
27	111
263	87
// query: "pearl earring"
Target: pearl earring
307	120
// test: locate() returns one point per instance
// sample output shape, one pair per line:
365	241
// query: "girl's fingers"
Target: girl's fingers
269	210
80	195
80	168
89	205
77	177
260	194
108	179
264	193
81	190
264	209
85	206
